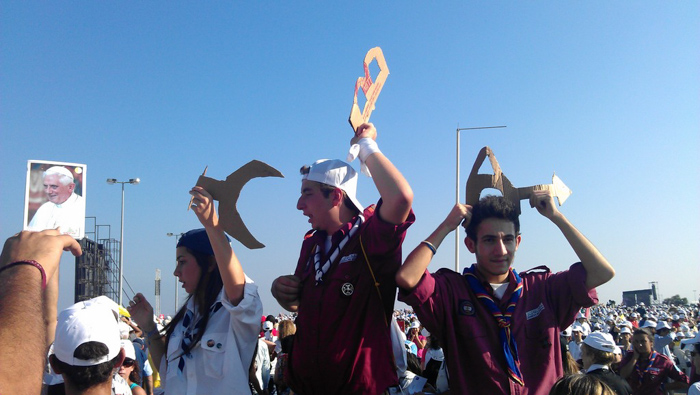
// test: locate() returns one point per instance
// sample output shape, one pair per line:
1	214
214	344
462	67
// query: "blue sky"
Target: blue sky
605	94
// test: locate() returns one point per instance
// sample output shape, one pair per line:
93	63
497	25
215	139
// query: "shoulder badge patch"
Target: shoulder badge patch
466	307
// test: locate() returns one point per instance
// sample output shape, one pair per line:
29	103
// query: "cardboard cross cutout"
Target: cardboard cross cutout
369	88
227	192
478	182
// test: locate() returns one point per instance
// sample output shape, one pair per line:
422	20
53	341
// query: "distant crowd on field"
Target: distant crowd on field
490	329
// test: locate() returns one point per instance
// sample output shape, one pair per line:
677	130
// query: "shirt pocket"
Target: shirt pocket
539	325
469	325
213	346
343	283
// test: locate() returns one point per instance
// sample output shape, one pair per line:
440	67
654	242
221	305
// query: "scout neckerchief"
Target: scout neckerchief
510	349
191	332
639	370
333	253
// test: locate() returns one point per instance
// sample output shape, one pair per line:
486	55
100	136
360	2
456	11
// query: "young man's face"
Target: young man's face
495	247
642	344
56	192
578	336
625	336
314	205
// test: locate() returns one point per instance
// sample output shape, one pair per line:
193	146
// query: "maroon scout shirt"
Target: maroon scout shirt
447	306
343	344
660	370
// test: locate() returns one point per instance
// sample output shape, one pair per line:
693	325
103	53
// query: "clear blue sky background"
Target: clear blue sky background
605	94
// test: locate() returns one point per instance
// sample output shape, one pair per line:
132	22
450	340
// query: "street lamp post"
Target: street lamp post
111	181
177	289
457	189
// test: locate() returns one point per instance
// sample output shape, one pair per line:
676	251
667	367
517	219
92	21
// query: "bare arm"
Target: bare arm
137	331
229	267
22	306
148	383
410	273
626	370
397	195
598	270
142	312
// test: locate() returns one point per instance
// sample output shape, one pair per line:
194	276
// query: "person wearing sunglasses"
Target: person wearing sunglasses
129	369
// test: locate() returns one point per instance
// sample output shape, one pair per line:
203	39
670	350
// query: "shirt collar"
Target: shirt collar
597	366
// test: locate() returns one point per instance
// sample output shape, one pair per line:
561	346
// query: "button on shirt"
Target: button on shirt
219	363
447	307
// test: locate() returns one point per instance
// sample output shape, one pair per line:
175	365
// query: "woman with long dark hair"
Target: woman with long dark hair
209	344
129	369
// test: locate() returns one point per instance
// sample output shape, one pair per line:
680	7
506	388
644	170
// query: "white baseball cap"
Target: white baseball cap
601	341
336	173
694	340
625	329
88	321
129	350
649	324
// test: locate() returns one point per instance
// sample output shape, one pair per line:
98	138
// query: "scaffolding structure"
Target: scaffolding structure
97	270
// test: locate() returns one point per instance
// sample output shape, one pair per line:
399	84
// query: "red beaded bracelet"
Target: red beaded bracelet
31	263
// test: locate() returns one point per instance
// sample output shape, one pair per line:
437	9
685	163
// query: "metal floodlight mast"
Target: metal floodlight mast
112	181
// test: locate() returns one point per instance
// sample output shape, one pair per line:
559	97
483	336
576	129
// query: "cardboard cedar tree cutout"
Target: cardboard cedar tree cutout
478	182
371	91
227	192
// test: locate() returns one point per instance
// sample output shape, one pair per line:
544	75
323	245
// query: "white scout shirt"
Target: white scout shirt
220	362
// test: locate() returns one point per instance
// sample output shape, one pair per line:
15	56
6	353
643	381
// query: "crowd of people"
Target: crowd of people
489	330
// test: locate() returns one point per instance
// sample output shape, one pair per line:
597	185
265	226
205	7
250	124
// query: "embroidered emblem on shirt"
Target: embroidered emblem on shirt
534	313
347	289
466	307
348	258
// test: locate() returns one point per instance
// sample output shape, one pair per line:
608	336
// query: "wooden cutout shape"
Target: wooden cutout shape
370	89
478	182
227	193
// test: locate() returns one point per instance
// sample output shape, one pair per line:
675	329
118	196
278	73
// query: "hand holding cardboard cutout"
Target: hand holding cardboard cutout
369	88
371	91
227	193
478	182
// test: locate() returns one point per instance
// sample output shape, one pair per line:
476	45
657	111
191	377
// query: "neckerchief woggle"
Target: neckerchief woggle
510	349
639	370
322	269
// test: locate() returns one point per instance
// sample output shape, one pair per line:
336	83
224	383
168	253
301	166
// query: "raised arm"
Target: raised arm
598	270
22	305
229	267
397	195
628	367
412	270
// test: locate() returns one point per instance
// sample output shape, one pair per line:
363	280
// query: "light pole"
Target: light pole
457	189
111	181
177	289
